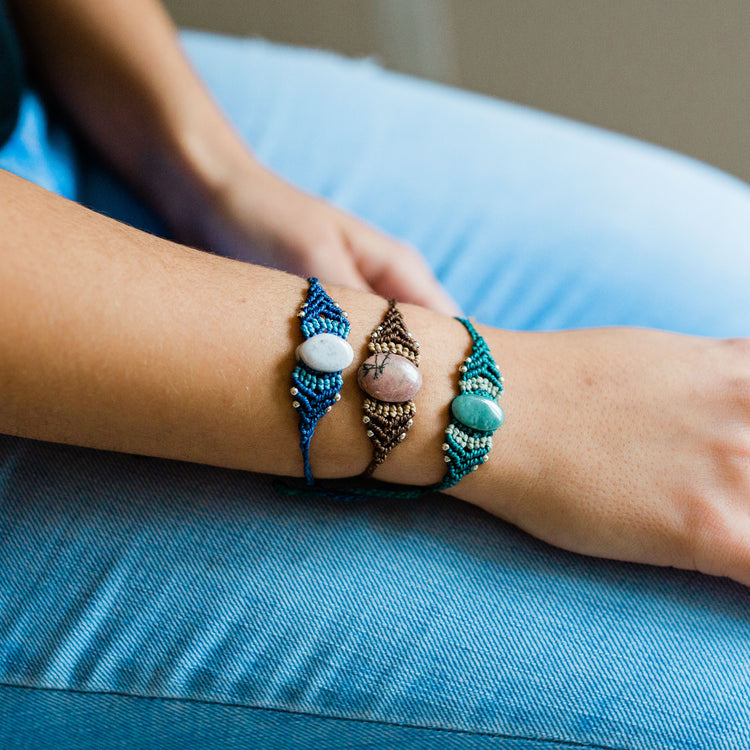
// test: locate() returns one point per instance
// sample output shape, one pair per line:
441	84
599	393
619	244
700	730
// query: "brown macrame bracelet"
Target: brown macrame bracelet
390	379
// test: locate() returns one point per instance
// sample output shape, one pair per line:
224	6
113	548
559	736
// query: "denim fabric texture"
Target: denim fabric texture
151	603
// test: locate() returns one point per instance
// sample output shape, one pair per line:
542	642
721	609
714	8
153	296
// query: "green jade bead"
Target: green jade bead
477	412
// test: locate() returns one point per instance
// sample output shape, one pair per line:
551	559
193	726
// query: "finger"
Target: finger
394	269
335	265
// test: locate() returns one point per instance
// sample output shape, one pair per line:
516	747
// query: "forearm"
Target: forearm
117	68
115	339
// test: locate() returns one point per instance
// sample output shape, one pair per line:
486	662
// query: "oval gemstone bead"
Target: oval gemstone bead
325	352
477	412
389	377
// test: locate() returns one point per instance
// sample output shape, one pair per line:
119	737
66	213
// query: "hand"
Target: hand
258	217
627	444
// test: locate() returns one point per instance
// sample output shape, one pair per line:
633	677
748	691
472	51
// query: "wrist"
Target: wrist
196	167
418	460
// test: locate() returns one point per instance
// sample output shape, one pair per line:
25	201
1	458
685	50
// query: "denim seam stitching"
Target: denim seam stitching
78	691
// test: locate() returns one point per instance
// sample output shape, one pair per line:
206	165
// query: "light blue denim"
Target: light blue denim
153	604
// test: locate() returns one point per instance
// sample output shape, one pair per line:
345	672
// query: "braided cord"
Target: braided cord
315	392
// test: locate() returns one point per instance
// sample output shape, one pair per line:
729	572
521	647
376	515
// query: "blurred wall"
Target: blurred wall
675	72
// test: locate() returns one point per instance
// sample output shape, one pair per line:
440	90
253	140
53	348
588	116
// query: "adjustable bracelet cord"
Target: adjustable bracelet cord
321	358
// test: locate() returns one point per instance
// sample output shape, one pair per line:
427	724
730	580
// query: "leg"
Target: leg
371	622
531	220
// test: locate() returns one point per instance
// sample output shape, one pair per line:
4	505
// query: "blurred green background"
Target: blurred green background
675	72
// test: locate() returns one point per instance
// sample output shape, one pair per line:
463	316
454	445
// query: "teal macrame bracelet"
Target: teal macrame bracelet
475	415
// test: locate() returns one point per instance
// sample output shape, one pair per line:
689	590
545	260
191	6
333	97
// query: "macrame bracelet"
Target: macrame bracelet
390	379
475	415
316	380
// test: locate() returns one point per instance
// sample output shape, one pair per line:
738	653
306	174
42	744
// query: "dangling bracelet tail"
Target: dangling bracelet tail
316	380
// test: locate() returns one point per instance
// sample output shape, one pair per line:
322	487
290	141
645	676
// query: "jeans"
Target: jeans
147	603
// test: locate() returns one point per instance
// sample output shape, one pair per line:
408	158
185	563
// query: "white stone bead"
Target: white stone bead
325	352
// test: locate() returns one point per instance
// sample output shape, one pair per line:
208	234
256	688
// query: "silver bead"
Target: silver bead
416	344
467	360
463	368
475	467
328	408
295	404
447	459
370	433
374	334
410	423
445	446
337	397
380	328
402	436
345	313
366	420
301	314
293	391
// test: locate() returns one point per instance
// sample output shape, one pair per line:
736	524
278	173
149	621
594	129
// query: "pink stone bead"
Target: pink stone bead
389	377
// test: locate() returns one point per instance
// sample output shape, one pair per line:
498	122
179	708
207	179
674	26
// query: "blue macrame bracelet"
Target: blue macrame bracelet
316	380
